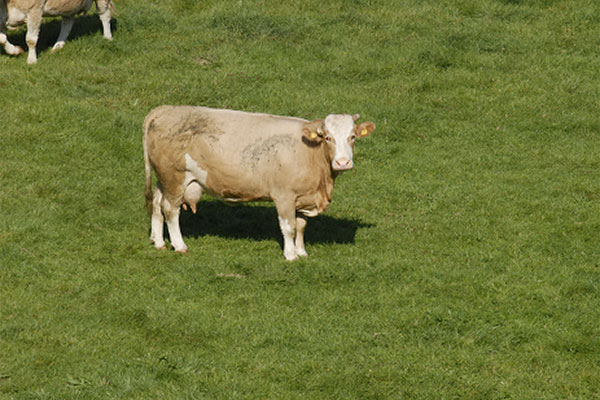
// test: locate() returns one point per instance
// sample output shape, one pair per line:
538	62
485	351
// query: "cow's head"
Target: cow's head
338	132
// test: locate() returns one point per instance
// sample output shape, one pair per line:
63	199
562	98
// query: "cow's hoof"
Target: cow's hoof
303	253
57	47
291	257
183	251
13	50
158	246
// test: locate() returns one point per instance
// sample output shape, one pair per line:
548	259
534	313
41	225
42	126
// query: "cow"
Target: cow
14	13
239	157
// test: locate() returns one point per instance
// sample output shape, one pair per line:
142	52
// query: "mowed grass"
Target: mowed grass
460	258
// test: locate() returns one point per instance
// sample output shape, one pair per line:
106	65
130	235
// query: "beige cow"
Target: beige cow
14	13
239	156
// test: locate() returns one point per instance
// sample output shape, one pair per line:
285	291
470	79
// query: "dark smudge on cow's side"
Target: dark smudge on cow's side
264	150
197	123
193	125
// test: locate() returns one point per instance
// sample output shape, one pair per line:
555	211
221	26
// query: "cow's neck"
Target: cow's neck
328	175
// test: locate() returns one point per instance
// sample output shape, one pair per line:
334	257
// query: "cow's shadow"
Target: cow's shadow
85	25
259	222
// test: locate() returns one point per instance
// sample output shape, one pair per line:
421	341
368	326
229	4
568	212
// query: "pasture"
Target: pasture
458	260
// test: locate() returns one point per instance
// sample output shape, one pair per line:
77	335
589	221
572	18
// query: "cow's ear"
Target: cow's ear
313	131
364	129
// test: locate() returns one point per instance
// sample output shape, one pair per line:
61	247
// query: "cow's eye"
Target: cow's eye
352	138
329	139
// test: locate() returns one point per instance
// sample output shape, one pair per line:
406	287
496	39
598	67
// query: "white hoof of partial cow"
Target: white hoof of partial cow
158	245
14	51
58	46
291	256
183	251
31	60
302	253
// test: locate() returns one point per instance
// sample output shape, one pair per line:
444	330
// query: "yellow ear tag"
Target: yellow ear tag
364	132
313	135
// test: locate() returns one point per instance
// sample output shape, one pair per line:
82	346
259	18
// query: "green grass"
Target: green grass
460	259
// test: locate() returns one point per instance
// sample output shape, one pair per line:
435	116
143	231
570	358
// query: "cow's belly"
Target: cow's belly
66	7
230	185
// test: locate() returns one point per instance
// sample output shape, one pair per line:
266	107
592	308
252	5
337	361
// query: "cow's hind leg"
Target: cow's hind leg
65	29
9	48
172	217
158	220
34	21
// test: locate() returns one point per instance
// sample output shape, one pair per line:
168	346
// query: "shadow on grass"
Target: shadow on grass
257	222
86	25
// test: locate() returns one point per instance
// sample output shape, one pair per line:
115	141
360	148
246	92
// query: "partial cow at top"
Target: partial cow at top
14	13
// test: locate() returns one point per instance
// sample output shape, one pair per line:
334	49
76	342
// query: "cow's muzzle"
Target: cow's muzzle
343	164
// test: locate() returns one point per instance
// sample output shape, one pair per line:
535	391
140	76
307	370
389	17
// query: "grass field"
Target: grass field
459	260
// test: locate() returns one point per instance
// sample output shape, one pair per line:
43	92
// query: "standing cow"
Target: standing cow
239	156
14	13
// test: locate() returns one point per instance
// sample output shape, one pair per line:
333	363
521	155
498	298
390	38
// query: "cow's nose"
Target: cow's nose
343	164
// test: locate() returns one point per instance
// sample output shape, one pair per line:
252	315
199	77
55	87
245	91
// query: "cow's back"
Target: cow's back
18	9
223	135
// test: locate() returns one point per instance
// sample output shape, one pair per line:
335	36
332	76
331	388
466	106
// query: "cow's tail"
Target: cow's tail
147	166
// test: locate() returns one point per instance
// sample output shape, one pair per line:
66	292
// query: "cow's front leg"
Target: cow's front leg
34	21
104	12
65	29
158	220
288	229
287	223
300	226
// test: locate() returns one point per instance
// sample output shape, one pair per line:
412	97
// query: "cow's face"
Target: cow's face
339	133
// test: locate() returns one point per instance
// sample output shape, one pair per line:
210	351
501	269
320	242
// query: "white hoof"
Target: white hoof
183	251
57	46
302	253
14	50
160	245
